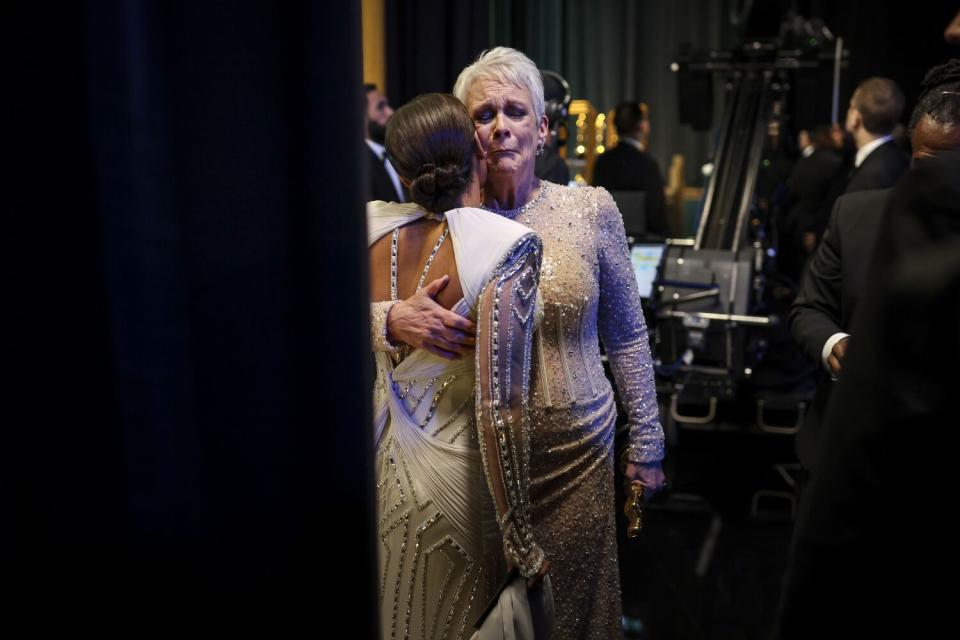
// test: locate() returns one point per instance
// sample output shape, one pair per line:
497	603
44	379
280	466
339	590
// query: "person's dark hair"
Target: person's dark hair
368	87
939	95
627	118
430	143
820	137
880	103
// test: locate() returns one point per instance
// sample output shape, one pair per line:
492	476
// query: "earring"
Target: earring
540	148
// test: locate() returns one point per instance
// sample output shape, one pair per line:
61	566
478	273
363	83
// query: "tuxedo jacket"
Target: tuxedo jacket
381	187
626	168
807	207
829	294
879	170
809	184
870	529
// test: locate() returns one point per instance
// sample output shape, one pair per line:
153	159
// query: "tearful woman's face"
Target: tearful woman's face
507	125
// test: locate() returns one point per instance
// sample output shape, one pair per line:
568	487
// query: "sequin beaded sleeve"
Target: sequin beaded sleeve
624	335
378	326
505	325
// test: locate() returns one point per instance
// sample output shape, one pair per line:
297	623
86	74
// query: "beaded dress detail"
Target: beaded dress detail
452	437
590	294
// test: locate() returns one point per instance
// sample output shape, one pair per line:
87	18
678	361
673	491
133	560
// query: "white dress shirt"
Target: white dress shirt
828	349
868	148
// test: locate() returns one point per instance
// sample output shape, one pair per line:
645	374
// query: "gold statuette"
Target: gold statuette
633	505
633	508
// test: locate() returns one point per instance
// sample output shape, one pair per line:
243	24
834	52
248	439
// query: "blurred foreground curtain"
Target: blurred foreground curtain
186	417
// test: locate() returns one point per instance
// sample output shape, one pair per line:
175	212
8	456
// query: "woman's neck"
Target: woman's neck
509	191
473	196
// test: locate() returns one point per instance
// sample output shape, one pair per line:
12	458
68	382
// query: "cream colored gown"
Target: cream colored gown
450	434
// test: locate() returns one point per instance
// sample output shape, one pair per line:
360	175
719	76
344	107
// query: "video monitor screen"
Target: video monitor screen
646	260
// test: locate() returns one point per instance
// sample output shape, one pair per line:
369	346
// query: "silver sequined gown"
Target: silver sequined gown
590	294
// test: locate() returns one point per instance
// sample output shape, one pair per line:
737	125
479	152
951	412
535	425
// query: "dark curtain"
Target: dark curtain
896	40
185	370
609	51
615	50
428	43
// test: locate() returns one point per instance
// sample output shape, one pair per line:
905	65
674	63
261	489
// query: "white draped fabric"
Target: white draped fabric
440	554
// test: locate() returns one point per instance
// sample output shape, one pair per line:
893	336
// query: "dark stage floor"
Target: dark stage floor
710	559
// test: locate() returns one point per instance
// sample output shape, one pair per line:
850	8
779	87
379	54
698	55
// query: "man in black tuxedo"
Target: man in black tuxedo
871	535
831	288
807	210
874	111
828	296
384	181
627	167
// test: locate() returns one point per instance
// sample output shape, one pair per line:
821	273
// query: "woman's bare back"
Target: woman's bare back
414	246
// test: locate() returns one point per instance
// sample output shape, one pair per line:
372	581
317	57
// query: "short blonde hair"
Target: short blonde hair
507	65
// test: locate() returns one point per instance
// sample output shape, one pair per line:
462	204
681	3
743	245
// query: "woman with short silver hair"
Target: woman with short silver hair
590	294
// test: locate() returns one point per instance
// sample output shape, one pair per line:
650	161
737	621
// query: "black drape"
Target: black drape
428	43
896	40
616	50
186	407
